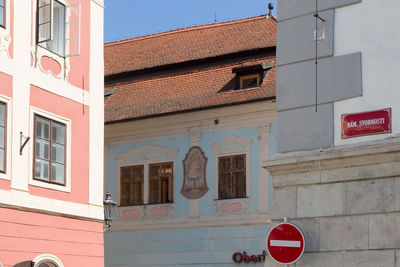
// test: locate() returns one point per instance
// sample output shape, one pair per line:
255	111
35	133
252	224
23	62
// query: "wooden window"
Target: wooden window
132	185
247	81
49	150
3	137
160	183
3	13
51	26
232	177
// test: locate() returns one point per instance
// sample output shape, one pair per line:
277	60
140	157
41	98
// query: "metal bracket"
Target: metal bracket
22	144
317	16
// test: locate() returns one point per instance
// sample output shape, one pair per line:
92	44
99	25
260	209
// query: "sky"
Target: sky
125	19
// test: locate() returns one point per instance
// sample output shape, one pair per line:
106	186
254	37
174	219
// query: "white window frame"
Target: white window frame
5	32
47	258
231	146
67	24
67	122
8	102
146	156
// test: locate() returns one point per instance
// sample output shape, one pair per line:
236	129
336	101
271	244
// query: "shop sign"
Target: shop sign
242	257
285	243
367	123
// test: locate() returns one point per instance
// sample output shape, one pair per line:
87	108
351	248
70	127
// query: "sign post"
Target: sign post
285	243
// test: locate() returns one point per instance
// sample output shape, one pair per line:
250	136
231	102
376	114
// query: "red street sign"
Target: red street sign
367	123
285	243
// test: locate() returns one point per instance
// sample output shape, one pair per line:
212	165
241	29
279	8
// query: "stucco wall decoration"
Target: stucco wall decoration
194	174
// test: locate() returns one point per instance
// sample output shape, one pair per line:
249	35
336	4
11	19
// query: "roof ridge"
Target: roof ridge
190	28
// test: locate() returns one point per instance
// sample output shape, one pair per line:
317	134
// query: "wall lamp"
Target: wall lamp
109	211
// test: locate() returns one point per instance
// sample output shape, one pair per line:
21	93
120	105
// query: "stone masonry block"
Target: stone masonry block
361	172
320	200
311	231
339	79
369	196
305	129
397	258
380	258
344	233
321	260
284	203
300	178
397	194
293	8
384	231
295	39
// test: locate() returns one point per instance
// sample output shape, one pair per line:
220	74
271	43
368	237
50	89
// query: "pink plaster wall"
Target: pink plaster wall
79	72
26	235
5	84
69	109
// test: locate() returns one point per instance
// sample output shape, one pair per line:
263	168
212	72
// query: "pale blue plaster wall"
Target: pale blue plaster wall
183	144
187	247
184	247
206	140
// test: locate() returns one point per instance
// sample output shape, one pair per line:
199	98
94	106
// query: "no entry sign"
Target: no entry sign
285	243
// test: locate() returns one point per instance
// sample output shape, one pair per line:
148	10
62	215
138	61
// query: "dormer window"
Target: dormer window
250	80
251	76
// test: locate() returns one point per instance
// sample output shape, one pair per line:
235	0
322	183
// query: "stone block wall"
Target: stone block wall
346	201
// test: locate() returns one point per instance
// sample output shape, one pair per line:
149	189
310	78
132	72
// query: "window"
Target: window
132	185
49	151
58	27
159	184
232	177
3	13
3	136
51	25
247	81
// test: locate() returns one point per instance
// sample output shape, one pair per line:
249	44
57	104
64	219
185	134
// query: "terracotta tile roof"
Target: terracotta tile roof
191	90
189	44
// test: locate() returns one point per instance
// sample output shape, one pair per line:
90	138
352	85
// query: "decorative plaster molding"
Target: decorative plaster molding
147	153
231	145
5	41
38	53
161	211
130	213
231	206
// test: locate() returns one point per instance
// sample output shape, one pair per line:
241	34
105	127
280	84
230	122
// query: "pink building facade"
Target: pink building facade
51	133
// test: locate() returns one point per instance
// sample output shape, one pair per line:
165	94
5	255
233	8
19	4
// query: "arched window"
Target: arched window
47	260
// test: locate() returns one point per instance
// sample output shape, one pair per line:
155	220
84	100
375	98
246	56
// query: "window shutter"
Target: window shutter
73	30
44	20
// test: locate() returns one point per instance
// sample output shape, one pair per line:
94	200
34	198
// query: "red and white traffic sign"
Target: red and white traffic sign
285	243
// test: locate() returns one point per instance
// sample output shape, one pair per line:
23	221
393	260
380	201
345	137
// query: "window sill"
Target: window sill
44	184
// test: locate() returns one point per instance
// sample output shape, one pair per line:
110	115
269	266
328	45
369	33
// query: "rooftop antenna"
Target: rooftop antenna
270	7
215	16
